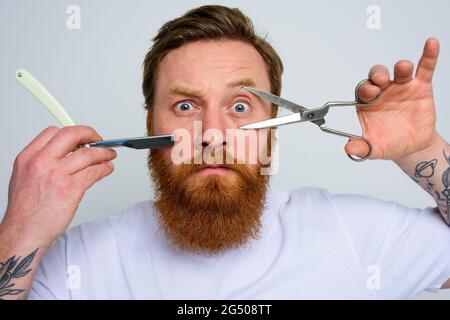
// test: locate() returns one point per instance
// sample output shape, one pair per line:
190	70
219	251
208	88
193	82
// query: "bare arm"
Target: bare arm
430	169
49	180
401	125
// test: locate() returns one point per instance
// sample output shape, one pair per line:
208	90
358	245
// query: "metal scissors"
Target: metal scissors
314	115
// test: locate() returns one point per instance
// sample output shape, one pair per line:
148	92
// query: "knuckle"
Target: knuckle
92	176
104	170
21	159
94	154
37	164
84	152
51	129
109	167
81	131
68	131
88	129
102	154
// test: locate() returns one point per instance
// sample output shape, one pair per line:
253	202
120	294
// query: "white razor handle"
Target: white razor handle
44	97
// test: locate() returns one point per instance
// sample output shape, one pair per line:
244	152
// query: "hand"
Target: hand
403	120
49	181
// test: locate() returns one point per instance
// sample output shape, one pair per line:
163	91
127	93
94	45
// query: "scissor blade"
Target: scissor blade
293	107
296	117
151	142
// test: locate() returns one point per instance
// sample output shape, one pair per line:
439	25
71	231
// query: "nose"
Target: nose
213	128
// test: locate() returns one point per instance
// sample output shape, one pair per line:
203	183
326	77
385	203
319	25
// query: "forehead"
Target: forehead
203	65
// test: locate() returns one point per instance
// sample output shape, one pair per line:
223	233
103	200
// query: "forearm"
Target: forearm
430	168
18	261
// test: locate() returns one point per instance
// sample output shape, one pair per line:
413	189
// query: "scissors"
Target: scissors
314	115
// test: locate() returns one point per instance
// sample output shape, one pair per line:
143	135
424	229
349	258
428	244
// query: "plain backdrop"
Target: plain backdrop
326	46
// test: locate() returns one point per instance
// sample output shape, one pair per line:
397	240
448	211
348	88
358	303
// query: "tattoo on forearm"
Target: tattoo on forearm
425	170
14	268
446	183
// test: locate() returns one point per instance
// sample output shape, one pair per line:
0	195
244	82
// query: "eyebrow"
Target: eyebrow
248	82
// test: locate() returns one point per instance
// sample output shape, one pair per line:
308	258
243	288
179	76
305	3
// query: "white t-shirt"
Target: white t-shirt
313	245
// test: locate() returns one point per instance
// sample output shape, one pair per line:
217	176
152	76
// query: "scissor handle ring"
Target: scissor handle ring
368	153
358	99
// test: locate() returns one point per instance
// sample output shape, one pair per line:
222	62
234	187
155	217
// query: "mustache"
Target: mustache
216	158
182	172
241	168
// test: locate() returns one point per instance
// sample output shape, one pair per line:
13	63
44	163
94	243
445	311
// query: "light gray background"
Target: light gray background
95	73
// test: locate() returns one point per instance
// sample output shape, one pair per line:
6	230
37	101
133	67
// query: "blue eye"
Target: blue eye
240	107
184	106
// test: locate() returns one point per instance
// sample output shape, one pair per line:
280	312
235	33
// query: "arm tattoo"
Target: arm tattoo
425	170
12	269
446	183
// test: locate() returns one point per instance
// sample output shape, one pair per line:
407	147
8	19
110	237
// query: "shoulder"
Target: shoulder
88	248
92	240
301	205
303	198
104	233
298	195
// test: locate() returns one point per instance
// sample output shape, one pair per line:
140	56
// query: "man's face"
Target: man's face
202	81
209	207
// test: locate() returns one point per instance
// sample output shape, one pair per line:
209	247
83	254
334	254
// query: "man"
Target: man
215	230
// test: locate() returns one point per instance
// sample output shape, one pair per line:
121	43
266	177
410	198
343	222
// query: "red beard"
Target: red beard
207	213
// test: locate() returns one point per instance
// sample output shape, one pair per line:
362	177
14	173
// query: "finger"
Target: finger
368	91
379	75
357	147
40	140
87	177
68	138
85	157
403	71
428	61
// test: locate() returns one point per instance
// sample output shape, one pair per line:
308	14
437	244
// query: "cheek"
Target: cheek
188	142
164	122
267	112
159	123
166	153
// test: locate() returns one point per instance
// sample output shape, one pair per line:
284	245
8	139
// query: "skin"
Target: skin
406	104
200	74
46	187
48	181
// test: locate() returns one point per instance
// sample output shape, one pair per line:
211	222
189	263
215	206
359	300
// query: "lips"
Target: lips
215	170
